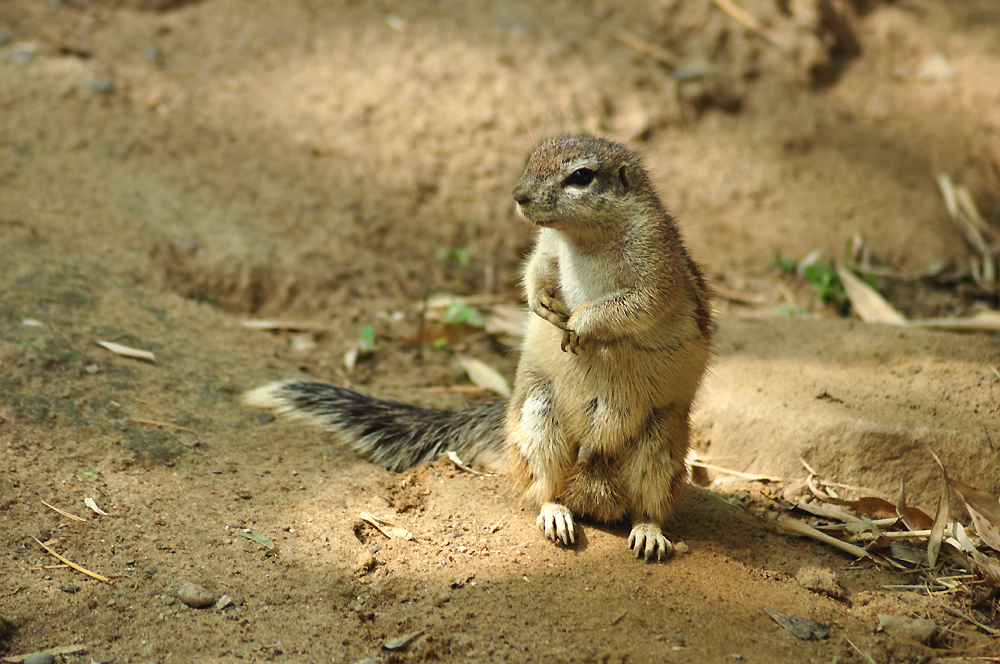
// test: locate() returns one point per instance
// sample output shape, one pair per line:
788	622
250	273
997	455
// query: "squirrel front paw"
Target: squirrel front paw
547	303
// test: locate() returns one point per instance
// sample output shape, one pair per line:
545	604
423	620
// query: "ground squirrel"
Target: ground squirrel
614	352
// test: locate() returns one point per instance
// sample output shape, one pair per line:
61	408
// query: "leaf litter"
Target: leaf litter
949	555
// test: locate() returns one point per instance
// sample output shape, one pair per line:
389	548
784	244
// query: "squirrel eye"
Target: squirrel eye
580	177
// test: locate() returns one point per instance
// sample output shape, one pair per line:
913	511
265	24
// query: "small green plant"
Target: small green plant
786	264
461	256
367	343
459	313
824	281
91	474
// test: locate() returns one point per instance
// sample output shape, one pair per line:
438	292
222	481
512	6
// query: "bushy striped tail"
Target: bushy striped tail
394	435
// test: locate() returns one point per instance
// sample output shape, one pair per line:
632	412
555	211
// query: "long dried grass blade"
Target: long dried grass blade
796	527
72	564
746	19
649	49
65	514
127	351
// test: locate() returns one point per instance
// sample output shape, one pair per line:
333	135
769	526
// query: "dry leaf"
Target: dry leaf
432	332
940	519
984	510
402	641
901	506
505	319
484	376
797	527
988	566
869	305
800	627
118	349
89	502
453	457
387	528
262	540
984	321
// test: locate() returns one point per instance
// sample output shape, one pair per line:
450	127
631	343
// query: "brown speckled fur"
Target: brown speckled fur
598	424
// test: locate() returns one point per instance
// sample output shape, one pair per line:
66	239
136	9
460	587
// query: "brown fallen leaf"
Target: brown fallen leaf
879	508
800	627
433	332
984	510
988	566
387	528
901	506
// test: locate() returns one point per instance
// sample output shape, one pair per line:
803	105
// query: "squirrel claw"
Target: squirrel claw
647	542
570	340
556	521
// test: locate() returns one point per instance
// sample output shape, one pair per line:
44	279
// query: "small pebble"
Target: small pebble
223	602
681	548
265	418
195	596
150	571
40	658
101	86
796	491
92	368
936	67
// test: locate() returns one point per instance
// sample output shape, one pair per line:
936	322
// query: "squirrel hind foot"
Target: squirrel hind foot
647	541
556	521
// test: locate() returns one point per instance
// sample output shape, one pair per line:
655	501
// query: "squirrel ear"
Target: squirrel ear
623	178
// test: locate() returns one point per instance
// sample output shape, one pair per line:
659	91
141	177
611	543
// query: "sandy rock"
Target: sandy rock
860	403
195	596
918	629
820	580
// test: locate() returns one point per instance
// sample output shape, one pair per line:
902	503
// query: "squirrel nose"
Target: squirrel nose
521	195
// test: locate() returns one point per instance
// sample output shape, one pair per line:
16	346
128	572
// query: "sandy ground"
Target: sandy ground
168	172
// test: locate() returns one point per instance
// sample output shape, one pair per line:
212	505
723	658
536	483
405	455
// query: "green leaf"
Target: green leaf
259	539
367	338
459	313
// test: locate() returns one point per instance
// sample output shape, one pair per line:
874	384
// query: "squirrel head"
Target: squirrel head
582	185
